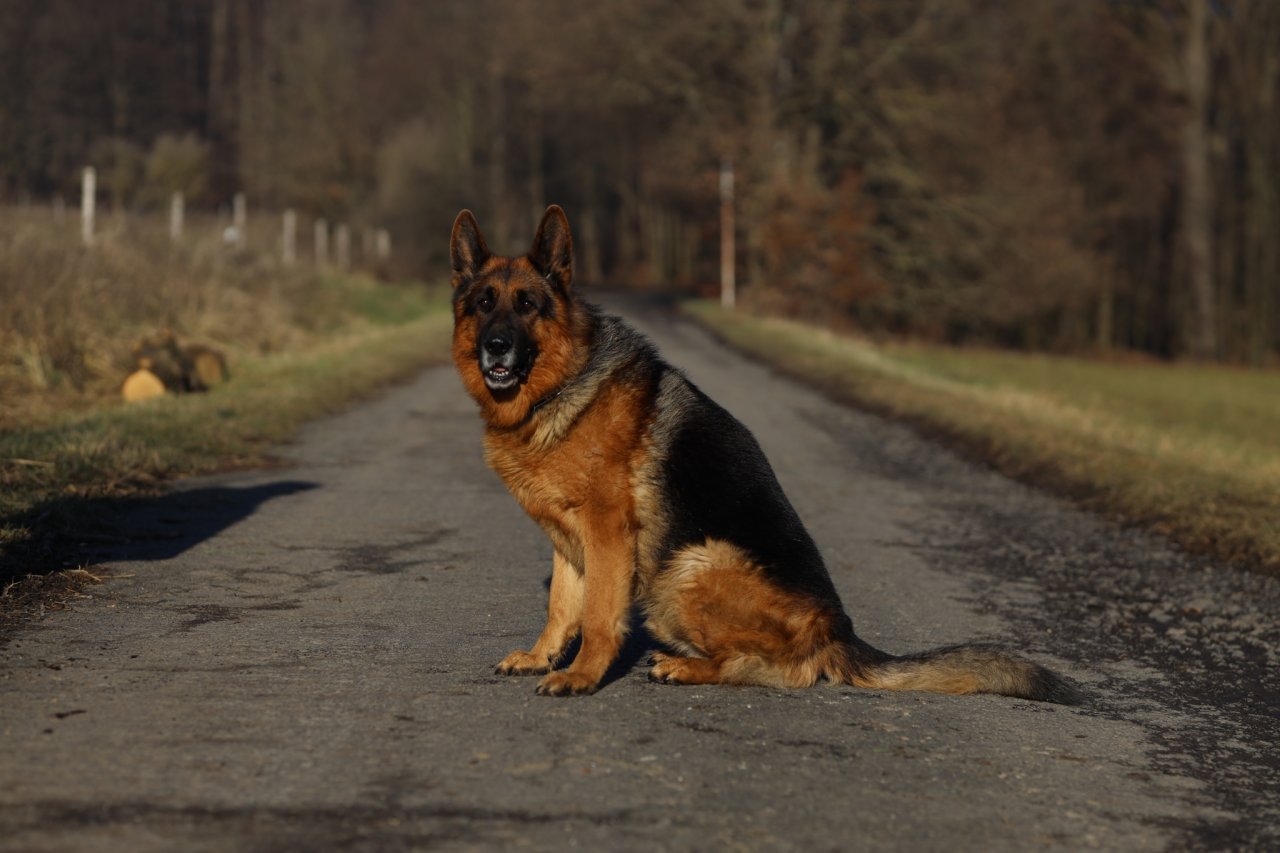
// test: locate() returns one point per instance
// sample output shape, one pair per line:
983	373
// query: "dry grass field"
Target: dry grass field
301	342
72	313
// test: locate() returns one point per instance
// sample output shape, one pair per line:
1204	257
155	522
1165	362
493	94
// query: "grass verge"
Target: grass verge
1191	451
58	472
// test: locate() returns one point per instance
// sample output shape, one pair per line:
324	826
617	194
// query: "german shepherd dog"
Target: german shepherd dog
653	494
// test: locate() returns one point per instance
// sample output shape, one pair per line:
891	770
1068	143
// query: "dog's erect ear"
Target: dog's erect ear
552	252
467	249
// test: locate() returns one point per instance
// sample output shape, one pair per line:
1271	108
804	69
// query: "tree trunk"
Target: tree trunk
537	185
588	249
1197	204
246	118
1105	330
219	114
497	118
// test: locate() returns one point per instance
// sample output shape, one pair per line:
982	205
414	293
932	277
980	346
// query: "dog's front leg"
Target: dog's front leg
610	563
564	618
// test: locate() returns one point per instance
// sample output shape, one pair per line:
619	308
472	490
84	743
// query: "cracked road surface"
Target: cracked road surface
302	658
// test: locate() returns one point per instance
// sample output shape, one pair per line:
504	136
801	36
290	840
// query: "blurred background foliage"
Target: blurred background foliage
1054	174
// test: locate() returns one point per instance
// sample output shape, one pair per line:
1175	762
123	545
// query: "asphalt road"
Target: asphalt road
301	658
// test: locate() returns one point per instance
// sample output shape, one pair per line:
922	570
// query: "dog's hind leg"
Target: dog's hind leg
564	619
747	669
714	602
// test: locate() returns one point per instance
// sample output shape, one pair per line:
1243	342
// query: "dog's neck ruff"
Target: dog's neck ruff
533	410
581	384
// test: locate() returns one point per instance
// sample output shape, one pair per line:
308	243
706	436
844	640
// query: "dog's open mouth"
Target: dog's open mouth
500	377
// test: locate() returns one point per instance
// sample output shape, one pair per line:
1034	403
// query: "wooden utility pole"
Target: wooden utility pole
289	238
177	208
728	285
88	198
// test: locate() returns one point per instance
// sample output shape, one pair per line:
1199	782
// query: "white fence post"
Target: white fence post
88	198
177	209
384	244
322	242
290	238
240	219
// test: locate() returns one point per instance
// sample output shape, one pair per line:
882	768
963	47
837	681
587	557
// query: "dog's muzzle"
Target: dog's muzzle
499	360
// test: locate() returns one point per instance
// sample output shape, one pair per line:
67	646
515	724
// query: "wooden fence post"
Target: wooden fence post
289	248
88	198
177	208
322	243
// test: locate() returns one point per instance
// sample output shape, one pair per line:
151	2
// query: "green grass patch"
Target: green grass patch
388	305
1190	450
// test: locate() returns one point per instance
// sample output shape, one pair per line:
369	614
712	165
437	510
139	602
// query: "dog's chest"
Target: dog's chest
582	479
547	482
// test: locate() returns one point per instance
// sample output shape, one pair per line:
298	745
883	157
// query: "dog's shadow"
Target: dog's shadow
635	648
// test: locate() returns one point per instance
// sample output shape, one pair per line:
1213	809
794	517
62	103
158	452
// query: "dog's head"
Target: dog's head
515	321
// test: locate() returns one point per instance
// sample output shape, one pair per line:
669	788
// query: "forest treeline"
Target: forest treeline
1056	174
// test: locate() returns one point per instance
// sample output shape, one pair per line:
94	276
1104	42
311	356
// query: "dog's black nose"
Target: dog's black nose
498	344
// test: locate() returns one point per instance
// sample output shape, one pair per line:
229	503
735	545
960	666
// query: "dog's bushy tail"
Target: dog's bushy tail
956	670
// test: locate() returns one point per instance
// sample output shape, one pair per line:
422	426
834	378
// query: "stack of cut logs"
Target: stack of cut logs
163	366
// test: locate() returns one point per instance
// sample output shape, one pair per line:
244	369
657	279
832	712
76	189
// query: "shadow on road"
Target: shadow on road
78	532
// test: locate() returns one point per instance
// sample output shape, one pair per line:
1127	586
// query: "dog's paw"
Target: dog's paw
567	683
522	663
664	667
673	670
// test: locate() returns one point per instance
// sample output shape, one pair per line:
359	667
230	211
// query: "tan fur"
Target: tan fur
578	490
715	604
564	621
956	671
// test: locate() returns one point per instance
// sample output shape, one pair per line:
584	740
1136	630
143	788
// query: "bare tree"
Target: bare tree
1197	198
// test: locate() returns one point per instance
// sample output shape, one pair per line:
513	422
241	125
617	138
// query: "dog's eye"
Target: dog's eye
485	303
526	304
